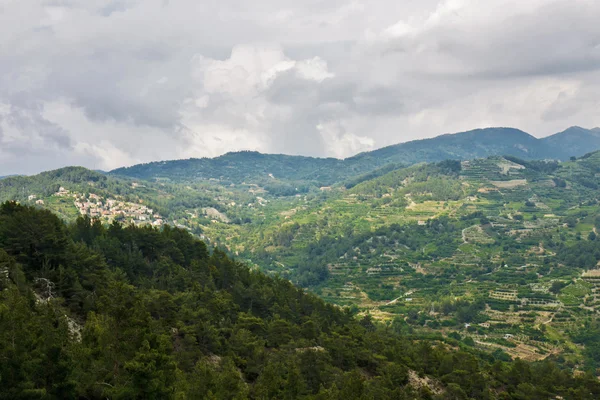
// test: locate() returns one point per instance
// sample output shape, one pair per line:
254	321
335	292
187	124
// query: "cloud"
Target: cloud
105	84
501	38
336	137
236	98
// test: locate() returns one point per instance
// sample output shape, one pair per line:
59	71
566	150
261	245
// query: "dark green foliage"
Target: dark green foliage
546	167
583	254
449	167
137	313
372	175
37	240
557	286
589	335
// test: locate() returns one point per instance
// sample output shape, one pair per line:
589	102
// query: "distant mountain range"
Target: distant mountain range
254	167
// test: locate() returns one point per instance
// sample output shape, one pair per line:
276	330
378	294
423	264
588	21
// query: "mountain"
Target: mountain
574	141
278	171
468	145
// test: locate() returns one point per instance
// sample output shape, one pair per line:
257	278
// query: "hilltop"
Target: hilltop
468	145
575	141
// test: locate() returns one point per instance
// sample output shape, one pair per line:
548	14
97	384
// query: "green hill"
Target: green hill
111	197
245	166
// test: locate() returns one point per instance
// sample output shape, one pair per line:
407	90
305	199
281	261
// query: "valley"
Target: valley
498	253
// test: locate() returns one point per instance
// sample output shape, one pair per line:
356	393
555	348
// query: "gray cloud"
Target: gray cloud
105	84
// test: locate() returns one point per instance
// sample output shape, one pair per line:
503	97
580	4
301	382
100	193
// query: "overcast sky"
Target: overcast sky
106	83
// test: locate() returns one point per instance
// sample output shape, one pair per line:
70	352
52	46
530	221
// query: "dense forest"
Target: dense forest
122	312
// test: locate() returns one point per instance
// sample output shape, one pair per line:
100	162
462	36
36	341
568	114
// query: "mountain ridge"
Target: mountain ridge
260	168
459	139
575	140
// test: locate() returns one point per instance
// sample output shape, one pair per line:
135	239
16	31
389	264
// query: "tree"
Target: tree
152	370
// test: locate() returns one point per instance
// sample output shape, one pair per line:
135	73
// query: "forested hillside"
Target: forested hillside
294	174
575	140
89	311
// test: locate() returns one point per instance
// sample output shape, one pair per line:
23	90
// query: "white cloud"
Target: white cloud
108	83
252	69
107	155
341	142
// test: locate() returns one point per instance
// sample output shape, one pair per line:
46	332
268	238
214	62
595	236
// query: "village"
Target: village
108	209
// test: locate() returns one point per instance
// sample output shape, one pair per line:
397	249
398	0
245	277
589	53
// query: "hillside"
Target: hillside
489	249
499	253
293	174
245	166
73	191
478	143
125	312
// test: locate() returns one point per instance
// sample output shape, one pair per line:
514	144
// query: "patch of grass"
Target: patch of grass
574	293
583	227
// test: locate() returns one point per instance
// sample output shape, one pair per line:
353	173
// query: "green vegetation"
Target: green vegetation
289	175
90	311
398	242
497	257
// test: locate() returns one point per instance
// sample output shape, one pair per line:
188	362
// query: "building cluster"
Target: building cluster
106	209
110	209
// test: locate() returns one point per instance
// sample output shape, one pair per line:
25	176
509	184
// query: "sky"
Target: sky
110	83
